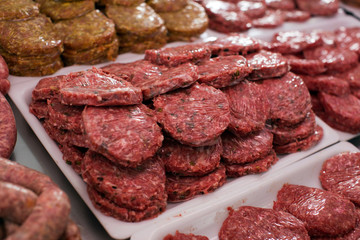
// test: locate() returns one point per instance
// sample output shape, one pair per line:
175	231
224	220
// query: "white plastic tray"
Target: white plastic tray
20	93
207	221
352	9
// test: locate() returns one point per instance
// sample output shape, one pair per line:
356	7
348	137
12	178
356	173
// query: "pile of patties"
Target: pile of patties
28	40
175	124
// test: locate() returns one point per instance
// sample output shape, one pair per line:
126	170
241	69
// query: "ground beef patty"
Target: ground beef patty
335	59
257	166
302	144
133	188
47	87
266	64
167	5
324	213
181	188
344	110
189	161
280	4
154	79
109	208
223	71
327	83
184	236
340	174
248	109
296	41
39	109
284	135
253	9
174	56
8	133
126	135
310	67
234	44
20	9
97	88
271	19
352	76
261	223
226	17
296	15
240	150
319	7
195	116
289	99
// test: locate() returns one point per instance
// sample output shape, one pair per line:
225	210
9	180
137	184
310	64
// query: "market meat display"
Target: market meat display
261	223
324	213
210	134
340	174
34	206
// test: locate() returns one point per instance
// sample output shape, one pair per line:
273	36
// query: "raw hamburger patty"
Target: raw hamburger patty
226	17
344	110
223	71
39	109
73	156
280	4
253	9
348	37
195	116
8	133
240	150
324	213
310	67
335	59
109	208
271	19
296	41
248	109
284	135
340	174
184	188
302	144
258	166
133	188
189	161
289	99
319	7
97	88
65	116
261	223
154	79
327	83
174	56
47	87
126	135
267	65
234	44
296	15
352	76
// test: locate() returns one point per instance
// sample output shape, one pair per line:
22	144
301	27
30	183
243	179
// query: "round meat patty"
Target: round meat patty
8	132
109	208
310	67
280	4
195	116
296	15
271	19
297	41
248	109
261	223
324	213
223	71
284	135
327	83
189	161
302	144
39	109
257	166
47	87
319	7
240	150
348	37
289	99
126	135
96	88
335	59
133	188
341	174
253	9
352	76
344	110
267	65
185	236
185	188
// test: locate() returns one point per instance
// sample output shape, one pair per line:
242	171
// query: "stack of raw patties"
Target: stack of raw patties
330	70
138	26
89	36
184	19
28	40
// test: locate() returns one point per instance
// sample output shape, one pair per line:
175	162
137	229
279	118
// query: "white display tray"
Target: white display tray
352	9
208	221
20	93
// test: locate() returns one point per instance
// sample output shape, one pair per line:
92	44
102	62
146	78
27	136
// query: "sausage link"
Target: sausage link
49	217
16	202
4	86
4	70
